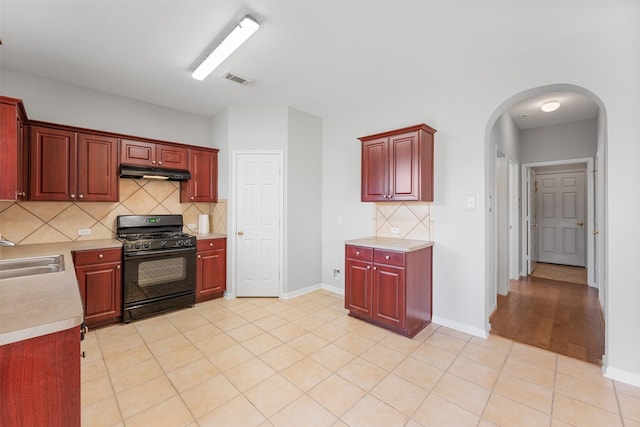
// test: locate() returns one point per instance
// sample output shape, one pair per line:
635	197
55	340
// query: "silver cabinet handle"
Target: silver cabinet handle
81	196
73	196
357	252
240	233
368	267
100	256
387	257
159	163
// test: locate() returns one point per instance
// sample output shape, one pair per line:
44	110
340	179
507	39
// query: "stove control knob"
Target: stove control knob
146	245
163	243
137	246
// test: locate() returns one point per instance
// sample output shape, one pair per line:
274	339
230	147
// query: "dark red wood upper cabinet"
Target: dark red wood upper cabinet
203	185
398	165
145	153
70	166
97	168
13	161
53	164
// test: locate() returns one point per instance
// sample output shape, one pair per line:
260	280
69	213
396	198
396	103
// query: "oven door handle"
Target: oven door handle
162	252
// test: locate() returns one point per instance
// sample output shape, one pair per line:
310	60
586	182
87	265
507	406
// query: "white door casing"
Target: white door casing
531	222
258	224
561	218
502	223
514	197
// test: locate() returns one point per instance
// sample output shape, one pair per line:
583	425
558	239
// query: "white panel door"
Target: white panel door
532	223
561	218
258	214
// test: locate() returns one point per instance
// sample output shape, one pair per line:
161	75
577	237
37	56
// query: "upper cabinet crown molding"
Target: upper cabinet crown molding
397	165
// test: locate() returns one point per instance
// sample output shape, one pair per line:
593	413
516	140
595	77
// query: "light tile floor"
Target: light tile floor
304	362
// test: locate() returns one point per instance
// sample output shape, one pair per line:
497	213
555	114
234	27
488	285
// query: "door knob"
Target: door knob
595	232
240	233
580	224
534	225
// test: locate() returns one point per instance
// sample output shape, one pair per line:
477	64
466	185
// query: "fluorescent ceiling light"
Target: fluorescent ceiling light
234	40
550	106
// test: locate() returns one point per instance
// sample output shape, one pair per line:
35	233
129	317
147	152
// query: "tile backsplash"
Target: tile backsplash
46	222
412	219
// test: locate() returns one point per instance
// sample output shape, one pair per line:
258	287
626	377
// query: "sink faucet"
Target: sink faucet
5	242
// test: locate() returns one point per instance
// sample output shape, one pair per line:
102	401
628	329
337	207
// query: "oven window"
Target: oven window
162	271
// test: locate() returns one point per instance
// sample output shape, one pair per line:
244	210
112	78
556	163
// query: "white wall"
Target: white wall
303	195
506	136
575	140
299	136
56	102
460	109
220	139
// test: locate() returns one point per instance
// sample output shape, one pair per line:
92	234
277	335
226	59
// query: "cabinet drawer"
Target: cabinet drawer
210	244
360	252
388	257
96	256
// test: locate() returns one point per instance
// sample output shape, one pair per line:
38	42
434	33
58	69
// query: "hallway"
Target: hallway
560	315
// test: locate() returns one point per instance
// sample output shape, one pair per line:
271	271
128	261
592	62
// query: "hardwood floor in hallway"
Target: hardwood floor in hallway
556	315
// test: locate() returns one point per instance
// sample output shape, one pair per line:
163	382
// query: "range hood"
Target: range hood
143	172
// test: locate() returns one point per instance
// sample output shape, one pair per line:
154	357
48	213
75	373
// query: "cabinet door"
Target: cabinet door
389	303
358	287
404	170
53	164
375	172
203	185
40	380
12	163
137	153
172	157
101	292
97	168
211	275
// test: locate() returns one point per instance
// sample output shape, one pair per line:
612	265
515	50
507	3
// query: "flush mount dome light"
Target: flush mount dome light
550	106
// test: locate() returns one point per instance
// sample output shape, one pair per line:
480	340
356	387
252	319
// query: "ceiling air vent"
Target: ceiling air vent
238	79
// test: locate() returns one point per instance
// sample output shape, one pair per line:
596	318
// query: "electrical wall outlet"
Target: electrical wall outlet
336	273
84	231
192	226
395	230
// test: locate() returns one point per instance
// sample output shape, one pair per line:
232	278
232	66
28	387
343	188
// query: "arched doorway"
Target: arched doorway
502	147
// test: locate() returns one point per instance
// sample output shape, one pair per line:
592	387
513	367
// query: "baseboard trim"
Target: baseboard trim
621	375
462	327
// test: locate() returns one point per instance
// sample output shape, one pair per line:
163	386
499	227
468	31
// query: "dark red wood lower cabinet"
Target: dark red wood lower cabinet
391	289
40	381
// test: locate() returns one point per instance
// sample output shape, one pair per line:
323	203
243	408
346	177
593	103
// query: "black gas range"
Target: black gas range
159	268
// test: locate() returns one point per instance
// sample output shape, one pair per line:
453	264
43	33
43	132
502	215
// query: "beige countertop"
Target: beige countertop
390	243
42	304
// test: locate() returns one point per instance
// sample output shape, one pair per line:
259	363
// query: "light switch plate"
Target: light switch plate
395	230
84	231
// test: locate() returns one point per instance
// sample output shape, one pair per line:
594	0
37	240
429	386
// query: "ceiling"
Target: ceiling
317	56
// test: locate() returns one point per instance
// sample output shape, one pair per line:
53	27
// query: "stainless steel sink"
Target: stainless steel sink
22	267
